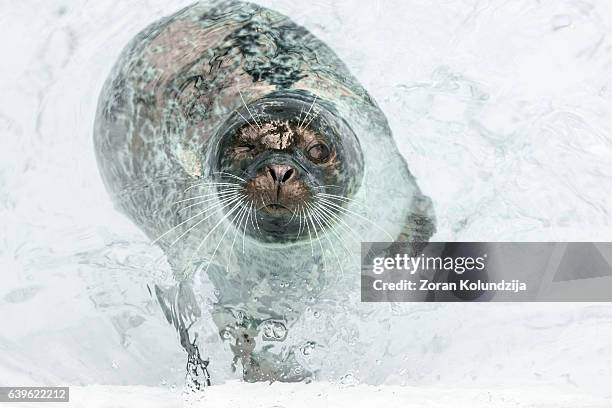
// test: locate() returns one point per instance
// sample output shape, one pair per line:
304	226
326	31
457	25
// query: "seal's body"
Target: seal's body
246	150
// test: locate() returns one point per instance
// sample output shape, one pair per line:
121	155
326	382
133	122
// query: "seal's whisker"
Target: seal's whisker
227	228
225	174
310	216
191	218
212	257
178	225
211	184
242	214
299	217
245	120
341	198
259	115
311	119
334	230
263	204
328	185
325	217
222	200
256	225
150	182
307	113
213	198
248	110
339	208
301	225
227	191
246	221
317	218
339	221
309	234
236	204
196	224
293	213
299	118
306	220
347	211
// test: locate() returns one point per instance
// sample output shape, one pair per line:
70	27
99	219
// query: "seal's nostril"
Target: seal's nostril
287	175
280	173
272	173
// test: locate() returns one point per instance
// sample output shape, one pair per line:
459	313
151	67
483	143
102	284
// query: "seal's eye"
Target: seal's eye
318	152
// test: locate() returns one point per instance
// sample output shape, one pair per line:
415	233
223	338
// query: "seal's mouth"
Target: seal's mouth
275	208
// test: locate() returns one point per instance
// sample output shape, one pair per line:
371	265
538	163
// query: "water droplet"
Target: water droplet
280	331
308	348
349	380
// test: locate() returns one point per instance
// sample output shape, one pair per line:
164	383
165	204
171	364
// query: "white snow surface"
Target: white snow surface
278	395
503	110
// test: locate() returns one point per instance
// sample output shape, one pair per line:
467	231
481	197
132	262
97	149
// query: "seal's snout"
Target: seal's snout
281	173
278	188
287	158
283	180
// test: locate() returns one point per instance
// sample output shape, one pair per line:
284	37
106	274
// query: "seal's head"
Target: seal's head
292	160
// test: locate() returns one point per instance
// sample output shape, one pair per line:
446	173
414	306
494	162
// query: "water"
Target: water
501	109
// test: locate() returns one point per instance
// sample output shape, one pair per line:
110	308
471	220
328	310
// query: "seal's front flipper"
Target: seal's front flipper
198	376
179	305
420	223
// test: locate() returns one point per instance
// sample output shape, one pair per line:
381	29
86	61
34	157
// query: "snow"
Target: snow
324	395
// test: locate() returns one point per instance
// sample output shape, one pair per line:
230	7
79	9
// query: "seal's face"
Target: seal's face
280	160
289	173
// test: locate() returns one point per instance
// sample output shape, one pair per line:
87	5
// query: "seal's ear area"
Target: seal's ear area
420	223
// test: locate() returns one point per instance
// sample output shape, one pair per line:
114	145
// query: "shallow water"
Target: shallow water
502	110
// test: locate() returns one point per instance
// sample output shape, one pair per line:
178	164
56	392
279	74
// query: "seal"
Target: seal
245	149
